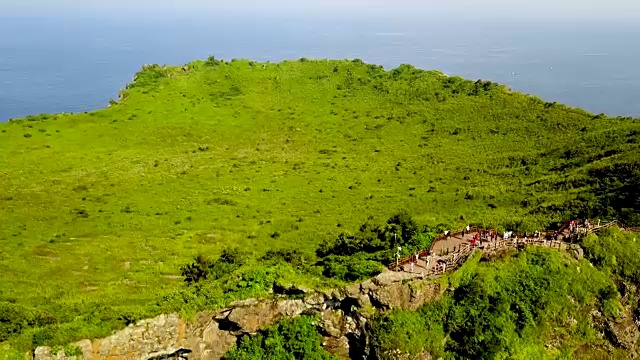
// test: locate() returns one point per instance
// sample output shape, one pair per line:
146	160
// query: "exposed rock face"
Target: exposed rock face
211	334
624	333
162	333
343	324
406	296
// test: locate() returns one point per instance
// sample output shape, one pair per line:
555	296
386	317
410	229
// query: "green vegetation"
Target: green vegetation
512	308
533	304
358	256
287	340
103	213
616	253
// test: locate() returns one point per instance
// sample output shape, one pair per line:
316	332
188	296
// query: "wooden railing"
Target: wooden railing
612	224
461	253
548	238
545	237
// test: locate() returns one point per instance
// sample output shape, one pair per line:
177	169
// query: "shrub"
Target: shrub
15	318
203	268
212	61
297	259
289	339
350	268
356	256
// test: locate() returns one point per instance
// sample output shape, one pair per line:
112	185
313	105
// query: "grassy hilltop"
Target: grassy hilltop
99	210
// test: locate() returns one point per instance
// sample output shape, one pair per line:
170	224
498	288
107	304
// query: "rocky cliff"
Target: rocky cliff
343	315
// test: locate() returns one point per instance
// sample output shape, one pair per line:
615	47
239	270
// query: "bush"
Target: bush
149	76
297	259
399	230
357	256
15	318
615	252
349	268
211	61
203	268
289	339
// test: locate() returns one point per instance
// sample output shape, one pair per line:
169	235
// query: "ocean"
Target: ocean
76	61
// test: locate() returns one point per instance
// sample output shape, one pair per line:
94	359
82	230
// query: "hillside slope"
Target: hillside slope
99	210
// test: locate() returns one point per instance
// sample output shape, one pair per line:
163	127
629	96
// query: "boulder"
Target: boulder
332	322
86	347
315	299
368	286
337	346
353	290
146	337
408	296
216	342
624	333
250	319
363	300
291	308
43	353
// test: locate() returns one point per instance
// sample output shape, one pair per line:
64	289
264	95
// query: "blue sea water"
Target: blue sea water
73	62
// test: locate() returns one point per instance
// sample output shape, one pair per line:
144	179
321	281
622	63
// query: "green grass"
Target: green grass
99	210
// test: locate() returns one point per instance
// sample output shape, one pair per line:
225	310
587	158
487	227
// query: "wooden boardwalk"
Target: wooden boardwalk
450	252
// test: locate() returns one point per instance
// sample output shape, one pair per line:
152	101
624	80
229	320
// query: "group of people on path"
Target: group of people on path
575	228
416	257
484	235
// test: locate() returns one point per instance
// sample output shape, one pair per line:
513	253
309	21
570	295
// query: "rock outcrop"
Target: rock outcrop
342	312
211	334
